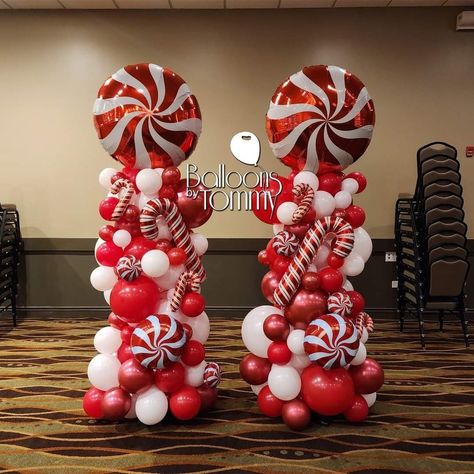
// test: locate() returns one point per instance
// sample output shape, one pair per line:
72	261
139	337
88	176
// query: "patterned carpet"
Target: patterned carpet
423	421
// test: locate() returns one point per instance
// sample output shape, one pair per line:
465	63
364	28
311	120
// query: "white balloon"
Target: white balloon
148	181
200	326
143	199
285	212
364	336
151	406
350	185
295	341
103	371
121	238
169	279
107	340
252	329
278	228
103	278
321	259
107	295
370	398
200	243
323	203
353	265
194	375
257	388
343	199
163	229
284	382
307	177
362	243
360	356
155	263
347	285
105	176
299	362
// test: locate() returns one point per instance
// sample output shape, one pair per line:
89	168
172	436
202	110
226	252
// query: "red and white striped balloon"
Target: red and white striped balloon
128	267
158	341
212	374
340	303
147	117
320	118
331	341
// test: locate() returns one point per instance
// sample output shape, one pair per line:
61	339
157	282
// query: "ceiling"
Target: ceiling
220	4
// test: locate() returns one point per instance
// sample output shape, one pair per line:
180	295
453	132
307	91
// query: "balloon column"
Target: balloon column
307	347
151	356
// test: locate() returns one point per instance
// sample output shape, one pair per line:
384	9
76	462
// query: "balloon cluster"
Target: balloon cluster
151	356
307	348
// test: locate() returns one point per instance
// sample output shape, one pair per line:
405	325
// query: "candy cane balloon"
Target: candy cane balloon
322	115
309	246
125	197
305	194
180	233
147	117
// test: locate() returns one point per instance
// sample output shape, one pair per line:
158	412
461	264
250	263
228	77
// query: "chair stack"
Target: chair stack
430	237
11	247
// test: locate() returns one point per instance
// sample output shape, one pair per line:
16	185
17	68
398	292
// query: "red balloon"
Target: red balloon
107	207
188	330
108	254
92	403
368	377
334	261
131	174
170	378
193	304
280	265
126	334
309	217
331	279
269	404
177	256
106	232
299	229
132	213
134	300
254	370
277	191
269	284
262	257
327	392
341	213
133	376
133	228
296	414
116	403
278	353
208	397
167	192
306	306
330	182
358	411
360	178
276	327
164	245
310	281
358	302
150	114
124	352
193	353
171	176
271	254
195	210
139	246
355	215
185	403
115	321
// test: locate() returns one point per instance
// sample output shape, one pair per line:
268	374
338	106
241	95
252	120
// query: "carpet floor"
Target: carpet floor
423	421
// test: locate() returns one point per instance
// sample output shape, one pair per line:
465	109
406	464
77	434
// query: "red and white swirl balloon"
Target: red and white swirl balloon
331	341
320	118
340	303
212	374
147	117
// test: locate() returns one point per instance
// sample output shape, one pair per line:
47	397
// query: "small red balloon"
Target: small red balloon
278	353
306	306
330	182
171	175
193	304
116	403
296	415
360	178
196	210
139	246
185	403
358	411
133	376
164	245
106	232
177	256
300	229
368	377
262	257
254	370
268	404
208	397
271	254
124	352
358	302
108	254
334	261
276	327
92	403
331	279
115	321
310	281
341	213
131	174
132	213
269	284
170	378
107	207
167	192
193	353
133	228
280	265
126	334
355	215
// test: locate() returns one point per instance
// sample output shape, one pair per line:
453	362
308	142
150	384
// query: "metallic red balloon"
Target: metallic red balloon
208	397
185	403
196	210
320	119
170	378
276	327
330	182
368	377
133	376
254	370
306	306
269	284
296	414
358	411
269	404
278	191
92	403
310	281
331	280
147	117
299	230
116	403
279	353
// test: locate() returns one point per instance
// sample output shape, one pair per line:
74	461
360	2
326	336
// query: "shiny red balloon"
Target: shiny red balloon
278	191
262	257
170	378
107	207
360	178
167	192
131	174
327	392
334	261
116	403
358	302
299	229
331	279
139	246
306	306
164	245
134	300
193	353
133	376
276	327
171	176
115	321
146	117
106	232
254	370
296	415
177	256
196	210
132	213
133	228
358	411
108	254
185	403
124	352
208	397
269	283
310	281
268	404
193	304
355	215
280	265
330	182
126	334
92	403
368	377
278	353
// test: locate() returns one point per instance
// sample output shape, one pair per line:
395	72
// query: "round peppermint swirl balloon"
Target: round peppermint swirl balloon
128	267
147	117
340	303
158	341
331	341
320	118
212	374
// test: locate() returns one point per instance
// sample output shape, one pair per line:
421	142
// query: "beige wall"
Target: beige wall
418	70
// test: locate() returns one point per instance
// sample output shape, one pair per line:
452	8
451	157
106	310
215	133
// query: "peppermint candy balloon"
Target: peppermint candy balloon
331	341
212	374
128	268
158	341
147	117
320	118
285	243
340	303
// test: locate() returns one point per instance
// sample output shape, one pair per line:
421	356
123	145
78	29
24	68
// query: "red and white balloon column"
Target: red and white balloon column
307	347
151	356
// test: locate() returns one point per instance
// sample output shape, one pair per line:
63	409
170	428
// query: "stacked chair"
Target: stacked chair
11	247
430	239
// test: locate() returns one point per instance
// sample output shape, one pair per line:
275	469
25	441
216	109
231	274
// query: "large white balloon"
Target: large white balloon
148	181
105	176
362	243
194	375
307	177
353	265
200	243
151	406
360	356
155	263
323	203
103	278
200	326
169	279
103	371
284	382
252	329
295	341
121	238
285	212
107	340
